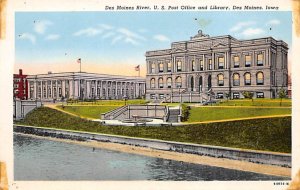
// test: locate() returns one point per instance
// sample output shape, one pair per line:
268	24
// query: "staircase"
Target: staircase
173	115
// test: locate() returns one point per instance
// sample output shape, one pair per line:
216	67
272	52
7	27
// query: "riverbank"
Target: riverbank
266	134
183	157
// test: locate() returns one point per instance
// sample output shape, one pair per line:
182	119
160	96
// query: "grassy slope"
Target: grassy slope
219	113
88	111
261	134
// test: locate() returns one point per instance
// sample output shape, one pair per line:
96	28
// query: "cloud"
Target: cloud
106	26
88	32
252	32
41	26
273	22
161	38
52	37
107	35
116	39
27	36
240	25
127	33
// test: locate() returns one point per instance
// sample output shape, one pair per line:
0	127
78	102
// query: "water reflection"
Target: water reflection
40	159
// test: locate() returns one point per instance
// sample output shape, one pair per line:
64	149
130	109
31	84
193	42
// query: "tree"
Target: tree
227	95
281	95
248	95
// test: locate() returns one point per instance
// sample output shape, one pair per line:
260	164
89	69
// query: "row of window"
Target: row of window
219	95
220	64
220	78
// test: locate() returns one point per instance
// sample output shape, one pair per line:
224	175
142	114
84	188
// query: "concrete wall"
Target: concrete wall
213	151
23	107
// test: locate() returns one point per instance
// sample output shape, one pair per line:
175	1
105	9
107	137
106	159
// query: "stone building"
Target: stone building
207	67
82	85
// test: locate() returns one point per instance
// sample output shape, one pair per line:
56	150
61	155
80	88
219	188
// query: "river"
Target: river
44	159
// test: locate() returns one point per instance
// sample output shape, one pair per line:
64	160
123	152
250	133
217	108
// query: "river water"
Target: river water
44	159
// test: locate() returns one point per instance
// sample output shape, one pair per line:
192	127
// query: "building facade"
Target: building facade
207	67
82	85
20	86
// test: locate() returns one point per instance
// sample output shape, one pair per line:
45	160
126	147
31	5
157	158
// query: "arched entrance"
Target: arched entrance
192	83
209	82
200	83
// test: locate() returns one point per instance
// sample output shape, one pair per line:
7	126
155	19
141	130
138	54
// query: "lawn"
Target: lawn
88	111
108	102
272	134
256	102
198	114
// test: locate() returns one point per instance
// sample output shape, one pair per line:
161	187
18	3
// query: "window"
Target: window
169	82
221	80
247	79
209	64
192	83
247	61
221	62
161	96
193	65
236	61
153	68
260	59
169	67
236	95
259	78
201	65
152	96
236	79
160	83
152	83
260	95
179	66
178	82
200	83
161	67
220	95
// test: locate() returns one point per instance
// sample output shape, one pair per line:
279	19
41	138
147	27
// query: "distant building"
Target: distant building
20	86
290	86
207	67
82	85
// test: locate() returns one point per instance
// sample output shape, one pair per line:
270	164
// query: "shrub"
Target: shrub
185	112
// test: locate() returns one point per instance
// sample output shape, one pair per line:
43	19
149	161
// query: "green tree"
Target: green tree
281	94
248	95
227	95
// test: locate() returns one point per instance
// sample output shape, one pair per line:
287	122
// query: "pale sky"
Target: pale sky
116	42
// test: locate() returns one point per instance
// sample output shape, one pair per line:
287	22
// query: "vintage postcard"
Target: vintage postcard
149	95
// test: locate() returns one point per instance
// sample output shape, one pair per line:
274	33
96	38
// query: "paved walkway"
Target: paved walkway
156	122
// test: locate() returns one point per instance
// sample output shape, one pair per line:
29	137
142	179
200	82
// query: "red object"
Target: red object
137	68
20	86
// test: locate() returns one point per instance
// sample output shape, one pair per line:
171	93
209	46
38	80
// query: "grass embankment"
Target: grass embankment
88	111
198	114
273	134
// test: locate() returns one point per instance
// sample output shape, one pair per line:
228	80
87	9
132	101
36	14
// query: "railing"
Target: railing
114	113
147	111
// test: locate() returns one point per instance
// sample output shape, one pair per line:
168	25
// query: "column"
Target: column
213	61
51	89
101	89
63	88
96	89
106	89
116	91
35	89
46	86
88	89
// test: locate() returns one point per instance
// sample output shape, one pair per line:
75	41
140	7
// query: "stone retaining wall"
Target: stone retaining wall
263	157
